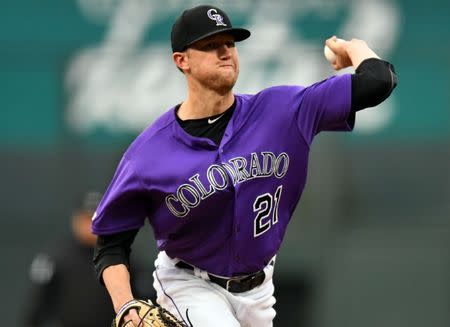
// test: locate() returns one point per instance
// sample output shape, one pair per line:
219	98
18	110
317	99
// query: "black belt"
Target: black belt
233	284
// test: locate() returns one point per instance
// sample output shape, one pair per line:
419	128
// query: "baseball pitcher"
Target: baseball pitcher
219	176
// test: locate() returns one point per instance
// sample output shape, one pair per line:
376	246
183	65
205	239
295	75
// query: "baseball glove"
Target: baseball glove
151	315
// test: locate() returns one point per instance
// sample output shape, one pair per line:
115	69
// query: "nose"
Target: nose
224	51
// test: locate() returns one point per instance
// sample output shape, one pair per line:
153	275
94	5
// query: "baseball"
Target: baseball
329	54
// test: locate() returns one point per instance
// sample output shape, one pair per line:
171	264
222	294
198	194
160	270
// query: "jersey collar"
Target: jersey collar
201	142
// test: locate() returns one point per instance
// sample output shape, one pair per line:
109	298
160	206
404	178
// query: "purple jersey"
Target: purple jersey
225	208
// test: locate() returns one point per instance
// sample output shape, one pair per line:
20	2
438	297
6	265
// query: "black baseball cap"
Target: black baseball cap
200	22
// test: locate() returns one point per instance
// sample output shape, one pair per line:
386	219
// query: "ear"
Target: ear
181	60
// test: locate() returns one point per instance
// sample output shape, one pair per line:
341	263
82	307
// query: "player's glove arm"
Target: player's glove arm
112	250
372	83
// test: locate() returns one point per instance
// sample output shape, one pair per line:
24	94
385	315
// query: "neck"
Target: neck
205	103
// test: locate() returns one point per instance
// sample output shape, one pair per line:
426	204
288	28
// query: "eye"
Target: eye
209	46
214	45
230	44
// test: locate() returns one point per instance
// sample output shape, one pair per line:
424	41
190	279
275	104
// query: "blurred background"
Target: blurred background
369	242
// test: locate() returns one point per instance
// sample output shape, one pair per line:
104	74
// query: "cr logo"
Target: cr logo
213	15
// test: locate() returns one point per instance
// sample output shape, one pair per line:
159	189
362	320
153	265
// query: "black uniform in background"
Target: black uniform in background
64	290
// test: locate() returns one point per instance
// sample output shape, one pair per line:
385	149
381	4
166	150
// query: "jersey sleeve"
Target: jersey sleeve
124	205
326	106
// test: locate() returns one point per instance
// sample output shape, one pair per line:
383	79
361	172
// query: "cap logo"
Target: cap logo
213	15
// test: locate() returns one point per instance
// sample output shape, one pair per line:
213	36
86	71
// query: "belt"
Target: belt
233	284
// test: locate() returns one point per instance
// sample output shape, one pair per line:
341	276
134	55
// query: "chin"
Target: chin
221	83
229	78
225	86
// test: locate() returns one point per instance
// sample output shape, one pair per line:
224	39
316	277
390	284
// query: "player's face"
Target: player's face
214	62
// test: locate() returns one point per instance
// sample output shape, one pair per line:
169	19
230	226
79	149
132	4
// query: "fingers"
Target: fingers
338	46
132	319
331	40
347	52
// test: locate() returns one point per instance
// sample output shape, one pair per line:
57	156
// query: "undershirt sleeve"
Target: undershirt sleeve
373	81
112	250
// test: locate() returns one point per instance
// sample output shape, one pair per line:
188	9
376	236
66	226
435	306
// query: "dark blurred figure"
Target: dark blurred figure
64	290
296	301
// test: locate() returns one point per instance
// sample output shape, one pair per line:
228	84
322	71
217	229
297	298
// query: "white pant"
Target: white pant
187	293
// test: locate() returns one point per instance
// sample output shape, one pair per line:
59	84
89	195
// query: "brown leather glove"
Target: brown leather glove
151	315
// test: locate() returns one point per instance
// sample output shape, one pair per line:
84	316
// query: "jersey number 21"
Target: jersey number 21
263	206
